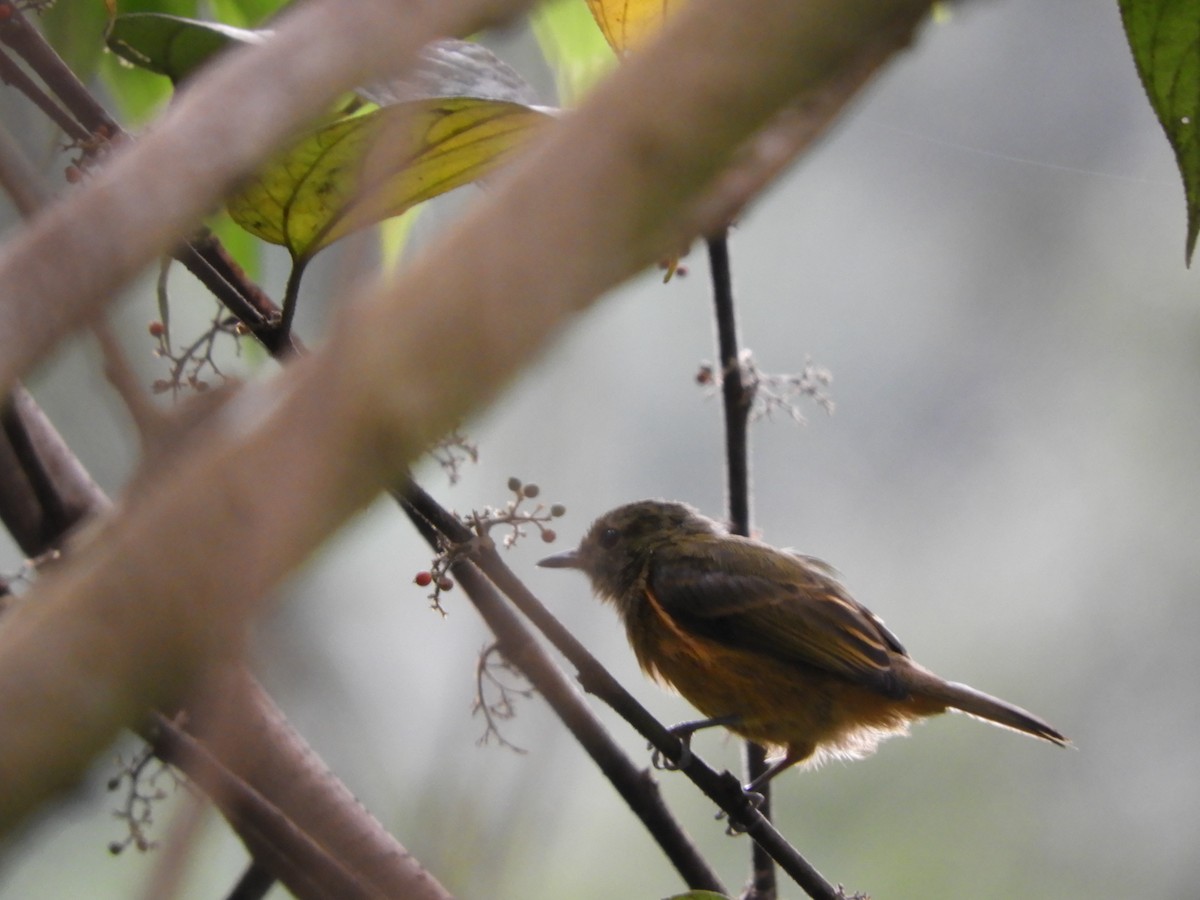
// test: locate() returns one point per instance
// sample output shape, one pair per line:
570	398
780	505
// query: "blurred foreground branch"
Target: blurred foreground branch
162	592
299	822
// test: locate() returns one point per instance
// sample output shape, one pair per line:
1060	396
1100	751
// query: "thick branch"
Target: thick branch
320	829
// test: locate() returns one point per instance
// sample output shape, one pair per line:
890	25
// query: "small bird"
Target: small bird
763	641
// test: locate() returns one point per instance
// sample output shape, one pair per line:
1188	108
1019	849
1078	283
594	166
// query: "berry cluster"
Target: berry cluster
515	515
192	366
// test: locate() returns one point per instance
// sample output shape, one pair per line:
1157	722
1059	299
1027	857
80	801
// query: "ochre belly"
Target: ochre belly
780	704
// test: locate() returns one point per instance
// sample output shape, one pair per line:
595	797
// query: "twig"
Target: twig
291	295
254	884
737	396
27	41
738	399
501	709
13	75
197	257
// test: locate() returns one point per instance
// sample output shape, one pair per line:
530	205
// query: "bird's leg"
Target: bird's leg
684	732
795	753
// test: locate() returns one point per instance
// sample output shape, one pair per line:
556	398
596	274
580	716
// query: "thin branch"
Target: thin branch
737	401
17	33
290	296
737	397
231	294
222	275
14	76
255	883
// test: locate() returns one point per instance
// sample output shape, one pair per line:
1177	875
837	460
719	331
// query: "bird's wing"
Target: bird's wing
779	605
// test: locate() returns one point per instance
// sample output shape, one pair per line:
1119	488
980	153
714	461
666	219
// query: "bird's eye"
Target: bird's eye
609	538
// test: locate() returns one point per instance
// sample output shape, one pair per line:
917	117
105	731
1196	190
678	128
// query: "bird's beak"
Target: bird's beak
568	560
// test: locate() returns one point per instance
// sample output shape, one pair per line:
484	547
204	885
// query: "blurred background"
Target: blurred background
987	255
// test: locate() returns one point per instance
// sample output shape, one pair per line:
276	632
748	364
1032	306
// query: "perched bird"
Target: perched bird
763	641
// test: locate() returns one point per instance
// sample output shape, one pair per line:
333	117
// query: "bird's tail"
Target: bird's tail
992	709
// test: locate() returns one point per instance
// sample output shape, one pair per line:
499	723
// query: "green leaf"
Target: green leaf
1164	36
341	178
172	45
452	120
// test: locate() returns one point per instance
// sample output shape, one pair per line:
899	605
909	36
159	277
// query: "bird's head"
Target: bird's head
620	544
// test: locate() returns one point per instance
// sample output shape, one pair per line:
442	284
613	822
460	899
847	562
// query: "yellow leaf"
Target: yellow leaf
362	169
628	23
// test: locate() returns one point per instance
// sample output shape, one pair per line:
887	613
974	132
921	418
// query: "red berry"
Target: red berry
423	579
445	584
549	535
157	329
73	174
6	12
